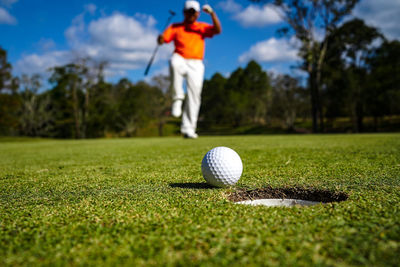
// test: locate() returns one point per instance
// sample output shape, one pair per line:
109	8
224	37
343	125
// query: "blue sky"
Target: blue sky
42	33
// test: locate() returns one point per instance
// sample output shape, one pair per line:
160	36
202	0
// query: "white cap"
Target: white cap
192	4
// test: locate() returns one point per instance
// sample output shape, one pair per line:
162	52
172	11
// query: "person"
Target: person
187	62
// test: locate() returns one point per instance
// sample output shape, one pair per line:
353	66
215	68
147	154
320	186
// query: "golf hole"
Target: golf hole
285	197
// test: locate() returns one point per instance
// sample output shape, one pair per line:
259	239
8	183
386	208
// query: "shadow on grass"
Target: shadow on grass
192	185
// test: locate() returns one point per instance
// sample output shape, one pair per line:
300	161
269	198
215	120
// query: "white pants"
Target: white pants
193	71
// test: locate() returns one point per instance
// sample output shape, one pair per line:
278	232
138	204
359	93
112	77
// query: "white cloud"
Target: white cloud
45	44
76	31
145	19
124	42
272	50
252	15
6	18
91	8
259	16
40	63
383	15
121	32
8	3
229	6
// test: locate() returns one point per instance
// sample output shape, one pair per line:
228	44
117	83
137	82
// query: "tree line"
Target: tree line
359	81
308	20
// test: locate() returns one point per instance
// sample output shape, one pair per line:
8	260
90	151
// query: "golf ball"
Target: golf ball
221	167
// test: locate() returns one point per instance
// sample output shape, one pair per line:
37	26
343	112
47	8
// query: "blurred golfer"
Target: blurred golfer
187	62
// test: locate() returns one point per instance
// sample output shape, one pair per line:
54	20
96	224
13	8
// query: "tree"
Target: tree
163	83
236	99
288	100
214	102
5	72
248	93
139	106
383	82
308	19
67	100
75	83
241	99
257	82
92	75
34	115
350	46
9	100
102	110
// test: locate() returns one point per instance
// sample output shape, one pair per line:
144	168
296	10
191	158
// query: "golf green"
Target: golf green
144	202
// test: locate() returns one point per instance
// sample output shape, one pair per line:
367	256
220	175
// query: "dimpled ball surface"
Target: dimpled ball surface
221	167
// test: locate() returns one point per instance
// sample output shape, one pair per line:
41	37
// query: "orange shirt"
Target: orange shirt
189	38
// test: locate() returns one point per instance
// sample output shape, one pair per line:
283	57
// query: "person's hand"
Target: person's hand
208	9
160	39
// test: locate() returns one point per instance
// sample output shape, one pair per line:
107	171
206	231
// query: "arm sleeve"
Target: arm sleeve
208	30
169	34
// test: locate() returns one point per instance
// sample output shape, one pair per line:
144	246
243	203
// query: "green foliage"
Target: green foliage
241	99
139	104
251	97
214	102
289	101
35	115
384	64
84	108
348	76
5	69
305	19
103	110
142	202
9	100
65	102
356	77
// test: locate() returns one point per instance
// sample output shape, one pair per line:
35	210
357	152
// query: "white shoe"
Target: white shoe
177	108
190	136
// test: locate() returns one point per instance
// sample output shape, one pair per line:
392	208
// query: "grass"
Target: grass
135	202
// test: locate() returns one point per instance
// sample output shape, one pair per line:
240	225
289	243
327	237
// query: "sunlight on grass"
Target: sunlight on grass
143	201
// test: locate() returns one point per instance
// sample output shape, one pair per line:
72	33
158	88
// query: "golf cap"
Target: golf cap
192	5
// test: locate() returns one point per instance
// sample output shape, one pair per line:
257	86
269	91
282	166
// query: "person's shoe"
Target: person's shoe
190	135
177	108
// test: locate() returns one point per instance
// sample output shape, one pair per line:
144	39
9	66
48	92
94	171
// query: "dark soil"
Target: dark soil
311	194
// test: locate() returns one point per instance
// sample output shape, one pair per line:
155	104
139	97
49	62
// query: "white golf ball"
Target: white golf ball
222	167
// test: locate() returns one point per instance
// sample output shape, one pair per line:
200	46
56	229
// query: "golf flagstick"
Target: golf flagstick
172	13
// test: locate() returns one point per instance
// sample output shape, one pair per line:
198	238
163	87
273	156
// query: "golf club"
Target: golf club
172	13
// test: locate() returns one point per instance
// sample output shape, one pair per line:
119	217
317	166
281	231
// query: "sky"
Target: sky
41	34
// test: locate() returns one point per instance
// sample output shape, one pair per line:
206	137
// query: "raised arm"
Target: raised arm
216	22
